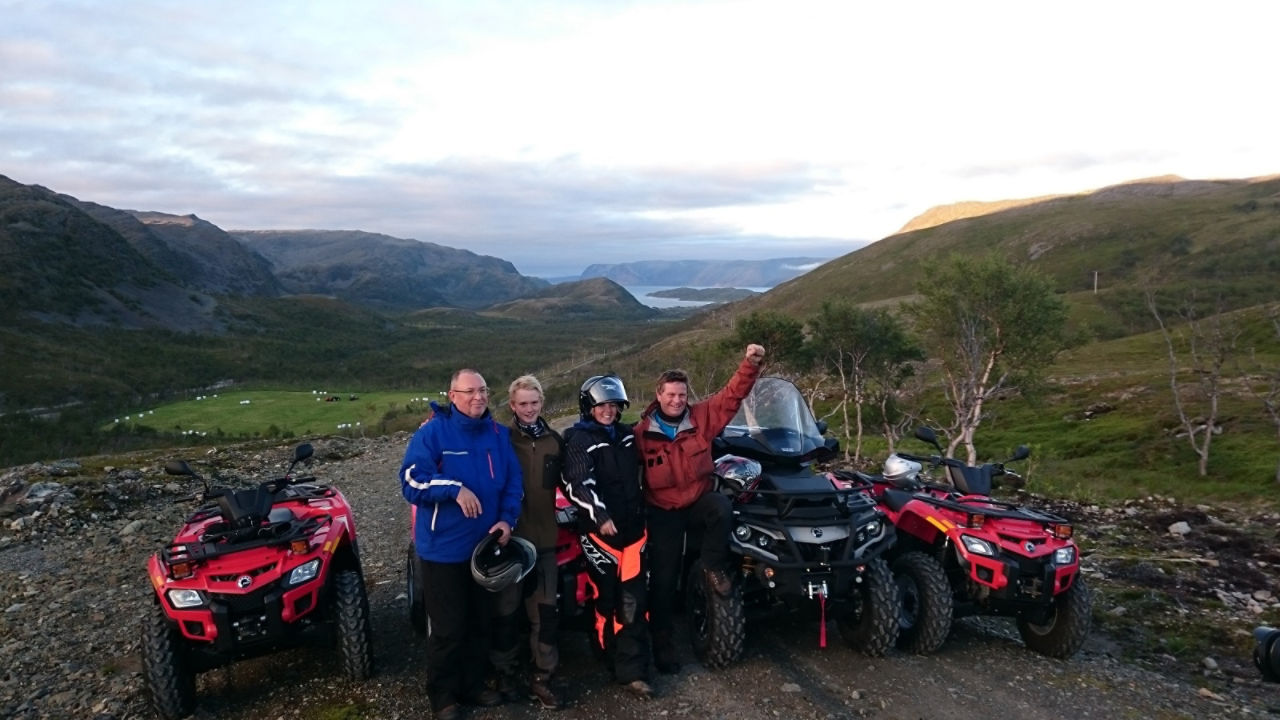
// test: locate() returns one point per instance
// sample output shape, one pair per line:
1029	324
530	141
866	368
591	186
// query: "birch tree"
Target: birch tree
992	327
1207	343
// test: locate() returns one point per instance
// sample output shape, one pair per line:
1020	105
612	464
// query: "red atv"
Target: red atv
252	571
961	552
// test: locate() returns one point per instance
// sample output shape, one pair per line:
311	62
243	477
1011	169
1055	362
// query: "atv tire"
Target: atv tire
413	588
351	624
717	623
171	683
1068	625
872	624
924	603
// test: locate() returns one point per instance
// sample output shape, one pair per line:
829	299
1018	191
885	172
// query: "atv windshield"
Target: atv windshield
774	421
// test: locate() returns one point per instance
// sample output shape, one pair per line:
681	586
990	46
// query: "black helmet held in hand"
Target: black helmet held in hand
497	567
600	389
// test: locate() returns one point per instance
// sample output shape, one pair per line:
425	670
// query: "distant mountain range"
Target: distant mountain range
387	272
706	273
78	263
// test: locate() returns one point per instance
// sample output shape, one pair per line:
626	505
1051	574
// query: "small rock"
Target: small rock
1208	694
1209	663
1179	528
1263	595
132	527
790	688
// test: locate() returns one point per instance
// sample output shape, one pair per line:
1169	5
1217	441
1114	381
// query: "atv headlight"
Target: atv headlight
978	546
183	599
872	527
1064	555
304	572
742	532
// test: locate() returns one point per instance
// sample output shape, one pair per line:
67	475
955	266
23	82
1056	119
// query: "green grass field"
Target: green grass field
276	413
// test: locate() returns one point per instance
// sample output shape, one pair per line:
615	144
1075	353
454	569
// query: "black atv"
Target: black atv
801	538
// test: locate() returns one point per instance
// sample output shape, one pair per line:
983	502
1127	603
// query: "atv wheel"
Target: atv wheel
413	588
1068	624
924	603
170	681
872	624
717	623
351	624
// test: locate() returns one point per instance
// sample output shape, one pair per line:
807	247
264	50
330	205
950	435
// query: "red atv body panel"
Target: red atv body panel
228	575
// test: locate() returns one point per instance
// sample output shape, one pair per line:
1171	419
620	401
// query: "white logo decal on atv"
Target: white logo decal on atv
244	581
817	532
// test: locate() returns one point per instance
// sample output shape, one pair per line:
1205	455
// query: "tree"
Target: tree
1209	343
782	337
992	326
870	353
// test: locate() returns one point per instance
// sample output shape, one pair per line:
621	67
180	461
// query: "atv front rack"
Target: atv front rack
218	542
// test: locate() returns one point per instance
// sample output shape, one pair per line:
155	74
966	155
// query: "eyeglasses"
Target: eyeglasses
471	391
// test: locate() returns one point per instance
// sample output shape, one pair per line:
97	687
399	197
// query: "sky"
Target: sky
557	134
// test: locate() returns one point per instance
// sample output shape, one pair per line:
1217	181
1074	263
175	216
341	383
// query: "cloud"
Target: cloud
576	131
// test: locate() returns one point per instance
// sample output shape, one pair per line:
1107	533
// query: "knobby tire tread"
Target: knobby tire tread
726	632
170	681
1072	618
873	627
351	621
935	607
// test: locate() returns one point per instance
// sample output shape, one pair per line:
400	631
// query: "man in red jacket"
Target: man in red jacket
675	446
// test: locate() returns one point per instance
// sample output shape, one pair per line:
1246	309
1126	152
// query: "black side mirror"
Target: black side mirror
178	467
302	452
1020	454
928	435
822	427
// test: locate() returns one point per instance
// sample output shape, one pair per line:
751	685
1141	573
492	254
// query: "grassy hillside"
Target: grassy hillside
1214	243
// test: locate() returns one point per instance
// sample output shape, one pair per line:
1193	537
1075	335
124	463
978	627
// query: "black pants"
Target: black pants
707	521
621	578
544	613
469	628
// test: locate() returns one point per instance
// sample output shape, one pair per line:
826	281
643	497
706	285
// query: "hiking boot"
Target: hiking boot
718	581
641	689
485	698
541	689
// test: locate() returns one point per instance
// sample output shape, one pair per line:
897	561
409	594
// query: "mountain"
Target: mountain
1179	236
198	252
705	273
594	298
65	267
386	272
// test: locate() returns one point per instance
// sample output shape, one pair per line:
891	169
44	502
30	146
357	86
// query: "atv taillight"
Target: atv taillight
975	520
1062	532
181	570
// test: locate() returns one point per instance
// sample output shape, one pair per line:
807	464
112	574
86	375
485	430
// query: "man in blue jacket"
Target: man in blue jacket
464	481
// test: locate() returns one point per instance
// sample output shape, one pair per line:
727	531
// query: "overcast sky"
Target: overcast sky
556	134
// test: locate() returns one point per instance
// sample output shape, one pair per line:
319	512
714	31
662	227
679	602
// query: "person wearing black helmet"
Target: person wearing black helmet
602	478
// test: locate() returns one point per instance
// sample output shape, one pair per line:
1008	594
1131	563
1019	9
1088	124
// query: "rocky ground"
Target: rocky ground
1178	590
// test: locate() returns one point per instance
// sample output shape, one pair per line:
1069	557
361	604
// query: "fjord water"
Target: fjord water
641	293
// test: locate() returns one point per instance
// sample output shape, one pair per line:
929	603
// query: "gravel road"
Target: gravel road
73	591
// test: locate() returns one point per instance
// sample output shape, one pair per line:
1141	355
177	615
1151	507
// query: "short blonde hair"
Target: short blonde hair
525	382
